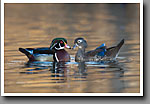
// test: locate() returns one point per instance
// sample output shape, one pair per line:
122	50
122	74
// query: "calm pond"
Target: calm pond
36	25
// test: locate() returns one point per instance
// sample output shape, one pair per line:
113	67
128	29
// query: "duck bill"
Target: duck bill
67	46
74	46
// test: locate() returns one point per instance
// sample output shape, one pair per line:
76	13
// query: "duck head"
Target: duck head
80	43
59	44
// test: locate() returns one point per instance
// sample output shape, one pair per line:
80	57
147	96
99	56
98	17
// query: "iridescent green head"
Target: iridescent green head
59	43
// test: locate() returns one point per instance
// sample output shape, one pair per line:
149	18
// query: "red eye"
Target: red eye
61	41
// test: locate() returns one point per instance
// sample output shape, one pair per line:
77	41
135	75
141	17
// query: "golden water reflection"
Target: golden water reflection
35	25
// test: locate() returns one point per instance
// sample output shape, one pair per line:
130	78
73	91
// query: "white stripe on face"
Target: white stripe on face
59	48
53	45
79	41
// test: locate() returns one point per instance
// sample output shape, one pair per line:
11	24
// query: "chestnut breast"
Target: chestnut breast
62	55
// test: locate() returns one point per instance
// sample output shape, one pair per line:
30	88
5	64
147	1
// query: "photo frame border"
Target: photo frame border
71	94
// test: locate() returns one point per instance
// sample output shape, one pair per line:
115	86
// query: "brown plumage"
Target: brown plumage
100	53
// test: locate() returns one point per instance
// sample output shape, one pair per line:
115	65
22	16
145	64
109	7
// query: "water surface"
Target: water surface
35	25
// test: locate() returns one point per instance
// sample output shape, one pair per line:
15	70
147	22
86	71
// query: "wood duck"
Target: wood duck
100	53
55	52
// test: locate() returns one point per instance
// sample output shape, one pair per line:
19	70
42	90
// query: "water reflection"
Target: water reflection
35	25
82	71
117	82
36	67
60	73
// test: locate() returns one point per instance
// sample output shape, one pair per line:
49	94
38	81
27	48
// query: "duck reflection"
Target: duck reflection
59	71
117	83
36	67
116	70
82	71
91	72
56	70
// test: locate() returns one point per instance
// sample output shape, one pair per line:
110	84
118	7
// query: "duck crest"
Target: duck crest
57	42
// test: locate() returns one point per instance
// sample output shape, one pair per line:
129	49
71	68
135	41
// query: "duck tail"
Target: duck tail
120	44
118	47
27	52
114	51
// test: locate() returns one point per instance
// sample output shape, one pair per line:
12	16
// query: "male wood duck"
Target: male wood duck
55	52
100	53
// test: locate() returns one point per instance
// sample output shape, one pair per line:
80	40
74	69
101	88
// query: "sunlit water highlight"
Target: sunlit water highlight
35	25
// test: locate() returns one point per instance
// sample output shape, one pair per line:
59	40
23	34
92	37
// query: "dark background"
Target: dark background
98	100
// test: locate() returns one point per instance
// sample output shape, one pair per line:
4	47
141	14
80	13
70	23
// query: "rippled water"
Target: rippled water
35	25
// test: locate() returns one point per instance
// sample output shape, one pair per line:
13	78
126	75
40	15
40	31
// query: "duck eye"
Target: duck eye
61	41
79	41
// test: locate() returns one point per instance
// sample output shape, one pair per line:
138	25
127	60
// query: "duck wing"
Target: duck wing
45	50
95	52
30	52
